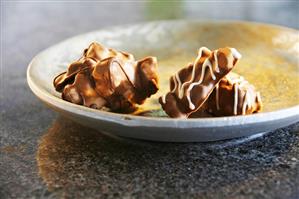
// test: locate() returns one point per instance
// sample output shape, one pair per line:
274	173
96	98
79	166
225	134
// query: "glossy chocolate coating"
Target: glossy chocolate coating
110	78
68	77
146	79
125	83
191	86
82	91
233	96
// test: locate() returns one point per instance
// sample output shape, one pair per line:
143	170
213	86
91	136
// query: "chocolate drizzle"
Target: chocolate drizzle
191	86
236	96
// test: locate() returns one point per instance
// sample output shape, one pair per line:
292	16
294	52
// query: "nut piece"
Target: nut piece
191	86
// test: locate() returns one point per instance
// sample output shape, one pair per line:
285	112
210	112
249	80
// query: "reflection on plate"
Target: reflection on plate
270	62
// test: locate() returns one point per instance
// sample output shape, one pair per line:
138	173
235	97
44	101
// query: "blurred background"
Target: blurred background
30	26
52	21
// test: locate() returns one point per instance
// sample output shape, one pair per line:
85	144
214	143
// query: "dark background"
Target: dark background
44	155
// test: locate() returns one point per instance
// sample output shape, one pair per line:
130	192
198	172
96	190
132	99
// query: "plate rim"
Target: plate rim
166	122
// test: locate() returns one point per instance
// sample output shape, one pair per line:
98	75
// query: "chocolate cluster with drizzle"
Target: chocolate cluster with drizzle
233	95
104	77
205	84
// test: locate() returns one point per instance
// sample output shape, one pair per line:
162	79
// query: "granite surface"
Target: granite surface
43	155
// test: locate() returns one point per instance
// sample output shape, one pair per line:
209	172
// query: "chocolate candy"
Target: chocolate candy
110	78
191	86
68	77
125	83
233	96
82	91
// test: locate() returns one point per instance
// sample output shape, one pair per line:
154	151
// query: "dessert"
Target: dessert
233	96
104	77
208	86
191	86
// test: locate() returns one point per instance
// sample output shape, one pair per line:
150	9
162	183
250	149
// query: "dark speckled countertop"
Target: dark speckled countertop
43	155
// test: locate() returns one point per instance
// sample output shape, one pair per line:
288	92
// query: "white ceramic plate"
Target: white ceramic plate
270	62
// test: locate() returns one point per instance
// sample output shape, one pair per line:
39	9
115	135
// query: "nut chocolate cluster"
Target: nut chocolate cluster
233	95
207	84
104	77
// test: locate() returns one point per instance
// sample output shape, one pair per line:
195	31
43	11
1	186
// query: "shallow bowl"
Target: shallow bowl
270	62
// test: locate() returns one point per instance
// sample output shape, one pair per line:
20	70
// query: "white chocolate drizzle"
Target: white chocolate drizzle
175	84
235	53
173	90
258	95
235	98
180	87
205	64
217	96
216	61
163	99
247	102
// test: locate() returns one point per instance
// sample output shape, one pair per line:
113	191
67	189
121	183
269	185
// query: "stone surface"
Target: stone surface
44	155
